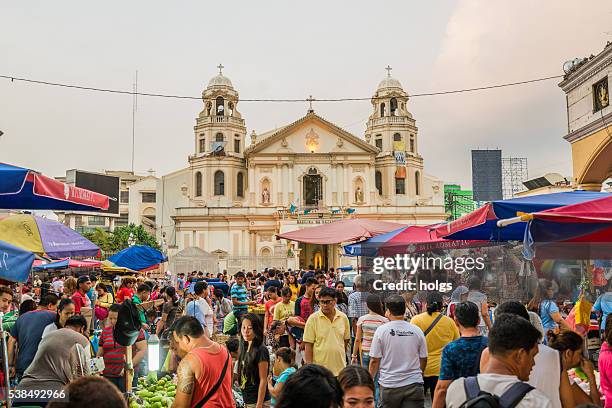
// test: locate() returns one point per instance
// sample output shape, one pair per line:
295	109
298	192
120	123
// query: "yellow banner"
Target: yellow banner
399	146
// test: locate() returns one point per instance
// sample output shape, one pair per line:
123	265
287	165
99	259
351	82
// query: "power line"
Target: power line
157	95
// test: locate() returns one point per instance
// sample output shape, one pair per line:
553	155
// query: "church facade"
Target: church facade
235	196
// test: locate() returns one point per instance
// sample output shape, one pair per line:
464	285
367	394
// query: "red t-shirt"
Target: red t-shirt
211	369
270	304
114	354
80	301
124	293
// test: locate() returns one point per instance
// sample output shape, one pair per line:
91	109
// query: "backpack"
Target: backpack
480	399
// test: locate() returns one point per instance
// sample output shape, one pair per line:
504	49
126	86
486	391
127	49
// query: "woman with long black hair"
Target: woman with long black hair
65	310
253	363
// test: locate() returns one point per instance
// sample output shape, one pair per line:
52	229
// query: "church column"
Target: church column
252	243
334	183
340	183
371	182
285	176
347	185
277	185
252	186
291	183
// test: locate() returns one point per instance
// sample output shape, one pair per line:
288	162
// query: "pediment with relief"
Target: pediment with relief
311	134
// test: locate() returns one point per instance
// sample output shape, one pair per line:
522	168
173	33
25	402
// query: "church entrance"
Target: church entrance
313	256
313	188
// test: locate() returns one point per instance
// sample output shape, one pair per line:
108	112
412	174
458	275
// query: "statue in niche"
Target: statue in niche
358	195
265	196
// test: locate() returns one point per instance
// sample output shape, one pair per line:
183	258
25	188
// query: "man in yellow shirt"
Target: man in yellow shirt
439	330
327	334
286	308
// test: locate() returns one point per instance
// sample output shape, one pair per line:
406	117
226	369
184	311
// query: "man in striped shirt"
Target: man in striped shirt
239	296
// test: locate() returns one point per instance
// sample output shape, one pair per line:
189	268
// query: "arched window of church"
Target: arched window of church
219	137
393	106
208	108
240	185
230	109
417	186
198	184
382	109
378	182
220	106
411	143
219	183
397	137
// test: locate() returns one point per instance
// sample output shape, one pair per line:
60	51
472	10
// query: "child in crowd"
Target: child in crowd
282	370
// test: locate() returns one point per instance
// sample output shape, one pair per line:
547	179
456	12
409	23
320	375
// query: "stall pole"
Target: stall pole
7	377
129	371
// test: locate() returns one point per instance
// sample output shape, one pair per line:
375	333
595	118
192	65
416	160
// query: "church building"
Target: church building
237	193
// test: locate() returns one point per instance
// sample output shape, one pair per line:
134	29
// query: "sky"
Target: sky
281	49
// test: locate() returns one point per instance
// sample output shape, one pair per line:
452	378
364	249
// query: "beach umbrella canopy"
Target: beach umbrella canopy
481	224
68	263
43	236
138	257
26	189
15	263
408	239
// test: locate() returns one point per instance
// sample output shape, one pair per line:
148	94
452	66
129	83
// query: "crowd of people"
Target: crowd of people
298	339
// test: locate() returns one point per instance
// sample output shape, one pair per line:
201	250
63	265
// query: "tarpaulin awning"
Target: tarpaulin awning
44	236
407	239
25	189
351	230
138	257
15	263
109	267
68	263
481	224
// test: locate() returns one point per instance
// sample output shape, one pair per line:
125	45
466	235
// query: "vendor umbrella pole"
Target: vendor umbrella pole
129	370
7	377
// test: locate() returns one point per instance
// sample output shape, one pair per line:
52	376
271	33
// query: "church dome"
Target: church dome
220	80
389	82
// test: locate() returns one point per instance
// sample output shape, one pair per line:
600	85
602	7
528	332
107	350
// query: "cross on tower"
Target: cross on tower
220	66
388	71
310	99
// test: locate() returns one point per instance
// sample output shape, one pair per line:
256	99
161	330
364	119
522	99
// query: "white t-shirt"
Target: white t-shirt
58	286
207	312
50	328
399	345
543	377
495	384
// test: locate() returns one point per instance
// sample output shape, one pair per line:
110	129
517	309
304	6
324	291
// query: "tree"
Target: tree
120	237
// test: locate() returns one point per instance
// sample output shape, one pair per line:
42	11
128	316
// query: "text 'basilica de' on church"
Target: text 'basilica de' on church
234	197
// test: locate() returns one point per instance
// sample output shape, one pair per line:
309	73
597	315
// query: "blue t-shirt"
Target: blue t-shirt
282	378
240	293
28	332
547	308
603	304
461	358
194	310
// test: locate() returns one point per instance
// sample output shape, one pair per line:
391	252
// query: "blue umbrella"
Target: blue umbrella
15	263
138	257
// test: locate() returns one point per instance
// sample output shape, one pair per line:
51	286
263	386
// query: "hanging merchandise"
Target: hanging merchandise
400	172
400	157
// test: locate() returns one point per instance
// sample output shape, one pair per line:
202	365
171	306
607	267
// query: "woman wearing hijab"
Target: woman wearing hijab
459	295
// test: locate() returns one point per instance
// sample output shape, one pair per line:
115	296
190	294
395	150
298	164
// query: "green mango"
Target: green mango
172	394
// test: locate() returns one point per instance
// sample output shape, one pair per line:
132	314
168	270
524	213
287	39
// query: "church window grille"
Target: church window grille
412	143
240	185
397	137
417	186
378	142
219	183
393	106
198	184
219	137
378	182
382	110
202	145
237	145
400	186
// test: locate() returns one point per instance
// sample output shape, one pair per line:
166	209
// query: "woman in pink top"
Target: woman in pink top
605	364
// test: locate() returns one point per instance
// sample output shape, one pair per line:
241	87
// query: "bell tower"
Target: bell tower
392	129
218	162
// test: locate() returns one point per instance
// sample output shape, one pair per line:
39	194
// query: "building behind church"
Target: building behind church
233	197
